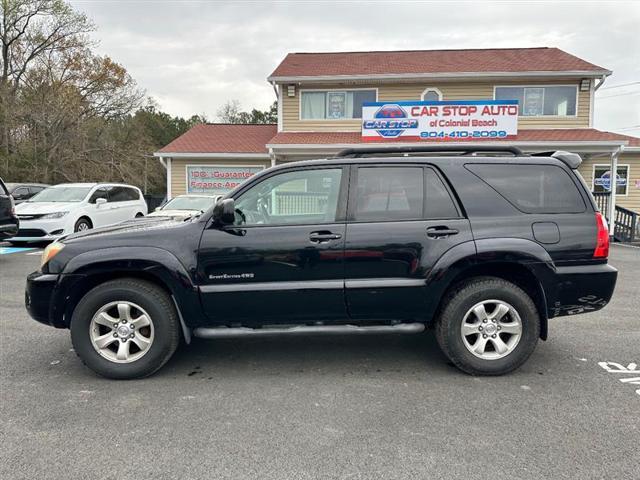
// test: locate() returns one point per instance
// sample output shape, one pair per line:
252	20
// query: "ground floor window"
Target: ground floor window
217	179
602	179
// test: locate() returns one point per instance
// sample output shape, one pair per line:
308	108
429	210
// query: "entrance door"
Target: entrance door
401	220
282	261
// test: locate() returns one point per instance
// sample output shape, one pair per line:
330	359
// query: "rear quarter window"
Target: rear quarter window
532	188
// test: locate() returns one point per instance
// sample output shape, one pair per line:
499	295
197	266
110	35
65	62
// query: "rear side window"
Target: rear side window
389	193
532	188
122	194
438	203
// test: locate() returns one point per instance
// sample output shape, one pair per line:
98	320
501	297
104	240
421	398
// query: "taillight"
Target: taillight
602	243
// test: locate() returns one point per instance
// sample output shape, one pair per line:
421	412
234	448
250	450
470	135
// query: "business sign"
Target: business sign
439	121
603	179
215	180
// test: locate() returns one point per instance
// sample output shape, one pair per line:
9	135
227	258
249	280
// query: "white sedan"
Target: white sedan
74	207
184	206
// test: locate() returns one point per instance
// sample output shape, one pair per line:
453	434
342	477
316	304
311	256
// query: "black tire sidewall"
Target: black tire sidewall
164	326
450	325
77	224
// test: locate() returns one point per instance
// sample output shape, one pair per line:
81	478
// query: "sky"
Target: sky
193	56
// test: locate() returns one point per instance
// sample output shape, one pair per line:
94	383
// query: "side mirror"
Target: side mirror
224	213
100	201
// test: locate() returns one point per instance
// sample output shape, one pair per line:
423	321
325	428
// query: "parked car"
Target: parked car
8	220
485	248
184	206
75	207
22	192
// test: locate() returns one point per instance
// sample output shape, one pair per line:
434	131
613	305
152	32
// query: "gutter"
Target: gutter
443	75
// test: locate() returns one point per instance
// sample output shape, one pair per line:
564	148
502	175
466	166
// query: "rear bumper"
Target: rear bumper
581	289
8	229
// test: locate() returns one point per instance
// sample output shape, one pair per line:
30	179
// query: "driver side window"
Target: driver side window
302	197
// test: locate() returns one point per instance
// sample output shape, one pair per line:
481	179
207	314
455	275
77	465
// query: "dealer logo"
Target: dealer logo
390	121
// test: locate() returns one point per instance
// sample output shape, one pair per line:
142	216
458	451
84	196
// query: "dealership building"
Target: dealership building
537	99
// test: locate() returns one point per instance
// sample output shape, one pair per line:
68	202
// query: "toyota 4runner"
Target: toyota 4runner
484	244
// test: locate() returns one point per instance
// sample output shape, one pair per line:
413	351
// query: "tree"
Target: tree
29	31
230	113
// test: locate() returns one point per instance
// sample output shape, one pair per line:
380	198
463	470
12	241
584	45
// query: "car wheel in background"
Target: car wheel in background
82	224
125	329
488	326
139	215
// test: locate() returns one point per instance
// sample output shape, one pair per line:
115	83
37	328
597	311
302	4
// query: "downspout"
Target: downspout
272	156
613	168
278	91
598	85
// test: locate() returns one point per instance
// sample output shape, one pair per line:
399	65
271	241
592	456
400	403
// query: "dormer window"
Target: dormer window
431	94
334	104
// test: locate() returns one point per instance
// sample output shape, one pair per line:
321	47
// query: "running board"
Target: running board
229	332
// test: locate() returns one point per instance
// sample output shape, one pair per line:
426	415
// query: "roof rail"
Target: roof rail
571	160
464	150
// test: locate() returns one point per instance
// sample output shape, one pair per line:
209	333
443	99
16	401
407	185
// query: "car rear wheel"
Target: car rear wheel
488	326
81	225
125	329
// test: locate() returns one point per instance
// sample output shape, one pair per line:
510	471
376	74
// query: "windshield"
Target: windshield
61	194
189	203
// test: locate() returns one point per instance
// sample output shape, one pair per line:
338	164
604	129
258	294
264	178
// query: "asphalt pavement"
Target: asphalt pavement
345	407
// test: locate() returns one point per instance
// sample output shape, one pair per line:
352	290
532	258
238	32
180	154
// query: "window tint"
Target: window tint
301	197
122	194
21	192
389	193
100	193
439	203
532	188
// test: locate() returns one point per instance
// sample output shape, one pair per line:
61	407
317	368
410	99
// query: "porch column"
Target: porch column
272	156
613	168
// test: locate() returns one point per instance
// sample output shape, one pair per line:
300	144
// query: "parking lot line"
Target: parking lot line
10	250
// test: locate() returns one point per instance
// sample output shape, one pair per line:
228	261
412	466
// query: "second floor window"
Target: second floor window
334	104
541	101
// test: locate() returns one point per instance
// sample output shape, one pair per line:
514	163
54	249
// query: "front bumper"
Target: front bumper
42	230
38	295
581	289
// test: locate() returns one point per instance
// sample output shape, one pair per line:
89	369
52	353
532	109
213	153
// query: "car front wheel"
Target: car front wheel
488	326
125	329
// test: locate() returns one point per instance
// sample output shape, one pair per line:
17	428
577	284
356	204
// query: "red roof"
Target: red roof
432	61
537	135
223	138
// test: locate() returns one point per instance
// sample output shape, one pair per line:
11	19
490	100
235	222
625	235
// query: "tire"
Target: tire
144	298
139	215
491	357
82	224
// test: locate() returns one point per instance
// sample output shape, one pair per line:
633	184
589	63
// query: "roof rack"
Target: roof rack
464	150
571	160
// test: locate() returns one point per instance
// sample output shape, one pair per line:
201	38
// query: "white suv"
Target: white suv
73	207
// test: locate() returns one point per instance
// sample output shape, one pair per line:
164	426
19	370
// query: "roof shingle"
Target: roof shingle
431	61
532	135
223	138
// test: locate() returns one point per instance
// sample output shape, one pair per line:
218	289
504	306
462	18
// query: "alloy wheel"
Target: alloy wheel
121	332
491	329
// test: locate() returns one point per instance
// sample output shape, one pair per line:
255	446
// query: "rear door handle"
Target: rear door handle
324	236
441	231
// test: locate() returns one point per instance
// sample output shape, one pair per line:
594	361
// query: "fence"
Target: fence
625	225
300	203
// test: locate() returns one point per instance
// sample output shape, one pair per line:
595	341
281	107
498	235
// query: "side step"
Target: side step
229	332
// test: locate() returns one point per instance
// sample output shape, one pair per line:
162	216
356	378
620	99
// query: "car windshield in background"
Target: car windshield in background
61	194
189	203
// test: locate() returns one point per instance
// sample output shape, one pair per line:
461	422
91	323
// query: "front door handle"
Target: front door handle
441	231
323	236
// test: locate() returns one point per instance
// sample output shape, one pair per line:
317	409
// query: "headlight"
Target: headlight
51	251
55	215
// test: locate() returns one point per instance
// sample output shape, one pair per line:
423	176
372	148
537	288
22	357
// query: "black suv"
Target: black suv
8	220
484	244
